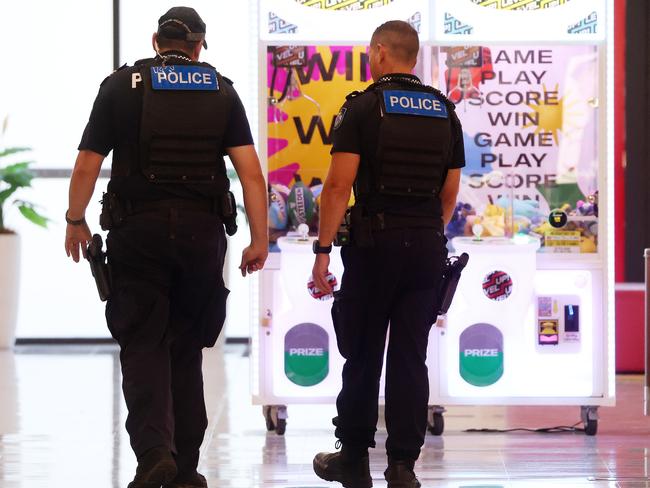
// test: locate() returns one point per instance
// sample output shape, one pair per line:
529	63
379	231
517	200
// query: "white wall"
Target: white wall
49	82
55	55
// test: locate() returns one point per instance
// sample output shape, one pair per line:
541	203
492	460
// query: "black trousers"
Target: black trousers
168	302
396	281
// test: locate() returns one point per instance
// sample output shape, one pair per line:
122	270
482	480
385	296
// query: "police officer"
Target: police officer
169	121
399	145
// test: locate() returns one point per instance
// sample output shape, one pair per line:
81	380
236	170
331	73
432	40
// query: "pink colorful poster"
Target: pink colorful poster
307	86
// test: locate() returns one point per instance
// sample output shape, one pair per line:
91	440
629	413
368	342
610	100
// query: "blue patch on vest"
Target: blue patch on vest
423	104
182	77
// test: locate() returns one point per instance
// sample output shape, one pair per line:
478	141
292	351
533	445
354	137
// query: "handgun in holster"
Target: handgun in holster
450	277
360	227
99	267
113	212
343	234
228	210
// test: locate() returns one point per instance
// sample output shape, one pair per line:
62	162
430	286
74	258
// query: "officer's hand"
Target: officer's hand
253	258
319	273
76	236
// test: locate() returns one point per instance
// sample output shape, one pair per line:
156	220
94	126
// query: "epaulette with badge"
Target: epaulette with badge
143	61
114	71
354	94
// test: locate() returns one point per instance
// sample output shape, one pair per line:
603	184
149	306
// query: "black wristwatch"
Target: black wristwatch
318	249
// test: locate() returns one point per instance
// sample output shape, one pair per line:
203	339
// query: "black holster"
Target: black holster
343	234
360	227
228	211
99	267
450	277
113	212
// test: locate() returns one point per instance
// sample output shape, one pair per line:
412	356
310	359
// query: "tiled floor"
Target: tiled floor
61	425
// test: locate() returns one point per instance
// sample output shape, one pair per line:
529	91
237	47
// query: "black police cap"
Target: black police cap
182	23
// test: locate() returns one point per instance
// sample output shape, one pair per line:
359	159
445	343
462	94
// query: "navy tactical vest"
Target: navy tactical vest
414	145
184	114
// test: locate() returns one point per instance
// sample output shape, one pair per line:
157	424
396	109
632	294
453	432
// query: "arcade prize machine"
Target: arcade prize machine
312	54
532	320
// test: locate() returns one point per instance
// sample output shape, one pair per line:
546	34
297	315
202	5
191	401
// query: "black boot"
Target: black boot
399	474
351	469
156	467
191	480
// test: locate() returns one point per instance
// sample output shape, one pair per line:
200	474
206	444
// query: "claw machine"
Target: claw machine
532	322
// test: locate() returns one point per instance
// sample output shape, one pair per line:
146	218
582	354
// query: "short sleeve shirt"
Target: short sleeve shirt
114	125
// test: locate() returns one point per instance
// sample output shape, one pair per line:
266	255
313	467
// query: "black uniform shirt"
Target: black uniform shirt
357	131
115	124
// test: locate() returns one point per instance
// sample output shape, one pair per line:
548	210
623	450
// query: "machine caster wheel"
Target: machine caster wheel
438	425
281	427
275	417
270	425
591	427
435	420
589	417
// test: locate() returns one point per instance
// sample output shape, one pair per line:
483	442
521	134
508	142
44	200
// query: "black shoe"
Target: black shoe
350	473
399	474
192	480
155	468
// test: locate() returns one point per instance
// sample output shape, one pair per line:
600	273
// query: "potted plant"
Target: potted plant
14	175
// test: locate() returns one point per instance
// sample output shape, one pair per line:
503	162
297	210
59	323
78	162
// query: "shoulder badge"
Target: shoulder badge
354	94
143	61
339	117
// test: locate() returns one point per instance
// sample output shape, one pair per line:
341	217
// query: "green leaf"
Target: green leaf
27	209
18	174
13	150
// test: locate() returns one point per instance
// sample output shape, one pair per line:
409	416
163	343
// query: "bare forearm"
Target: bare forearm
448	206
334	203
82	187
255	201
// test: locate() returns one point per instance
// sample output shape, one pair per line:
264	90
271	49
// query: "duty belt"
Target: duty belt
136	206
388	221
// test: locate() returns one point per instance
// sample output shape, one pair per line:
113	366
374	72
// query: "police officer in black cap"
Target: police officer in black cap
169	121
399	145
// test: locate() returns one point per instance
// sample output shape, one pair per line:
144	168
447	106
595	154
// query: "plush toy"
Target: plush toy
278	218
493	221
301	203
458	222
588	244
524	208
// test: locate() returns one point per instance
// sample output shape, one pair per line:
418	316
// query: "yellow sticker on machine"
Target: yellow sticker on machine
563	238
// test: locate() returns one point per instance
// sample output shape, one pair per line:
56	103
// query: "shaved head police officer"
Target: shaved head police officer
399	145
169	121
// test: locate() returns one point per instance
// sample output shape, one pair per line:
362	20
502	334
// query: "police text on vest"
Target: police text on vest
424	104
183	77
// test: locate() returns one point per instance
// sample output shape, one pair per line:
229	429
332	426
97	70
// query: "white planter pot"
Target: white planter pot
9	284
